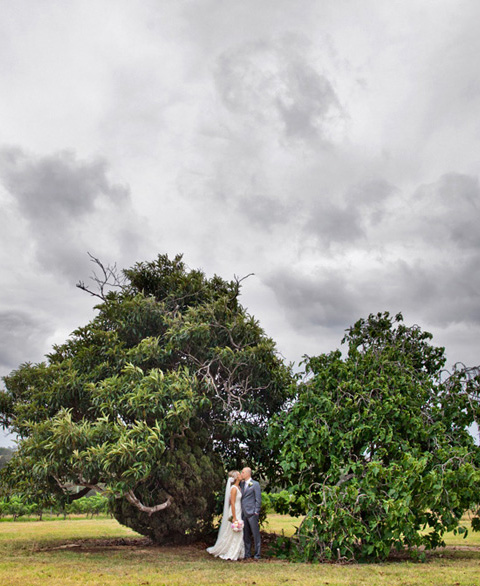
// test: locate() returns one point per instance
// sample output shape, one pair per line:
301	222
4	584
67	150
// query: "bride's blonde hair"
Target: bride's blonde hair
234	474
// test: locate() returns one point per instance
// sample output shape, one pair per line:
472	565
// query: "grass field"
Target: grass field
101	552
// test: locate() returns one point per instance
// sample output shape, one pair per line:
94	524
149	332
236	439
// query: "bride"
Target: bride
229	544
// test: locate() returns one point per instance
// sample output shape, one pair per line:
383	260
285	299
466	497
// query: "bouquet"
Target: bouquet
237	526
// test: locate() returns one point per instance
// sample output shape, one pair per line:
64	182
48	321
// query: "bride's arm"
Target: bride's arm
233	496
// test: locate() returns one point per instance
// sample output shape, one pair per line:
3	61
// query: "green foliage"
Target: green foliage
273	502
16	506
376	447
96	504
278	502
168	384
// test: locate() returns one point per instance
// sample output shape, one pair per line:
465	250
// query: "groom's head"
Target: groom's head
246	473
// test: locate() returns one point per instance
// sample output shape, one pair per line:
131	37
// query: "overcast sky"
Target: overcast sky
331	148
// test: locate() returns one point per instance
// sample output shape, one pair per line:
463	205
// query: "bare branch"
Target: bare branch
238	280
109	278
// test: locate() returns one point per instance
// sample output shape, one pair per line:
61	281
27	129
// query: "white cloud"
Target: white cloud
69	207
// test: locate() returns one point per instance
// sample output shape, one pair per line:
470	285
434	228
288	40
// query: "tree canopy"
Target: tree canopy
376	448
169	383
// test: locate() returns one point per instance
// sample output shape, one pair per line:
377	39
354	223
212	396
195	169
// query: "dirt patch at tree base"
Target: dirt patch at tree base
145	546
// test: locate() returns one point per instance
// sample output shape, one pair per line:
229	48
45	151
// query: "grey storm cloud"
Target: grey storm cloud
345	219
266	211
449	210
371	198
330	223
23	338
427	261
56	187
443	292
274	83
454	292
441	295
67	204
314	300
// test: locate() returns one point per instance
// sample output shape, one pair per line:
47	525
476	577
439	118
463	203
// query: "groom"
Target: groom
251	503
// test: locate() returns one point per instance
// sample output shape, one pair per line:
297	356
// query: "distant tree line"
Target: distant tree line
16	507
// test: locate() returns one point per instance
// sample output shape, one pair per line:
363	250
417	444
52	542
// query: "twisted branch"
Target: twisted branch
132	499
130	495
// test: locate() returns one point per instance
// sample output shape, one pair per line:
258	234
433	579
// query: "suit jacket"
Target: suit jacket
251	498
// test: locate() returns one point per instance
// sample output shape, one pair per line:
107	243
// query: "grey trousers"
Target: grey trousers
250	528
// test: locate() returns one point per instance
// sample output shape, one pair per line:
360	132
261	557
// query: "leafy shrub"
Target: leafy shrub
376	447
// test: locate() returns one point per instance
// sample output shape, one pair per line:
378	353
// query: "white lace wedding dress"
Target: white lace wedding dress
229	544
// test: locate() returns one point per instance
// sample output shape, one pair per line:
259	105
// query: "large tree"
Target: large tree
169	383
376	449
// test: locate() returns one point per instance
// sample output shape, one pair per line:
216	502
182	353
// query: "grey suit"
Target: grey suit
251	503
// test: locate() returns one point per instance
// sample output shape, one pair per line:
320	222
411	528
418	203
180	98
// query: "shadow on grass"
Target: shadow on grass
144	546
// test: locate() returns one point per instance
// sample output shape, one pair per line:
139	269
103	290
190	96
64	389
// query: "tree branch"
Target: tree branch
132	499
109	278
81	493
130	496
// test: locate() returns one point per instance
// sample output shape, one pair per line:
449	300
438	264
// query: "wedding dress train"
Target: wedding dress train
229	544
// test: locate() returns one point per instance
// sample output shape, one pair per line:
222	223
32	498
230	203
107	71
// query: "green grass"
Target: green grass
279	523
74	553
76	517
